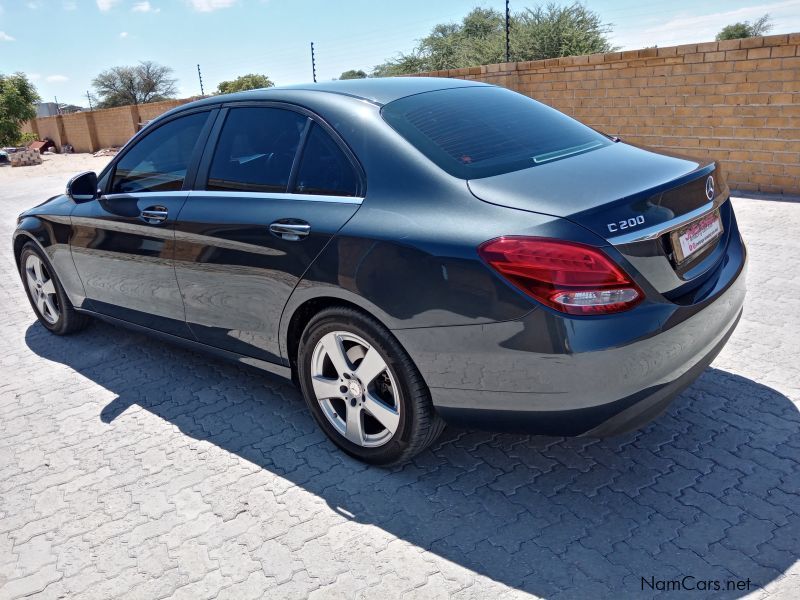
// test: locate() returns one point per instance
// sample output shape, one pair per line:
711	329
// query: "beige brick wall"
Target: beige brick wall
48	128
114	126
737	101
148	112
90	131
76	130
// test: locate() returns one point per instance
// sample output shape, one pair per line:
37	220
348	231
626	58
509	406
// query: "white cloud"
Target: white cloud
123	34
210	5
145	7
4	37
714	19
56	78
689	28
106	5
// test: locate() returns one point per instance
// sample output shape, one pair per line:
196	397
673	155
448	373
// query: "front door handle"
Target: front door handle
154	215
291	230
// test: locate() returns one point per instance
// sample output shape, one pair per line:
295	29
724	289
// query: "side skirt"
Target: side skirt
262	365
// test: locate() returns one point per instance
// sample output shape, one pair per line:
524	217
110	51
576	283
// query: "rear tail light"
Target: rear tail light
567	276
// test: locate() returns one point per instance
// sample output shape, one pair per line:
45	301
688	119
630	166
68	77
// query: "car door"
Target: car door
123	241
273	187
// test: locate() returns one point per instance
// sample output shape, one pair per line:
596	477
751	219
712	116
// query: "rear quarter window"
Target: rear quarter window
475	132
324	168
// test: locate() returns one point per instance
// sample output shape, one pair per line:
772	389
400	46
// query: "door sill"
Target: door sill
262	365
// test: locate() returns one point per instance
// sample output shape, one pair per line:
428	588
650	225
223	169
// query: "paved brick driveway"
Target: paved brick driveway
130	468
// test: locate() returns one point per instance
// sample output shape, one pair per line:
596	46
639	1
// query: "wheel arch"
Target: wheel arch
298	313
30	229
422	422
52	241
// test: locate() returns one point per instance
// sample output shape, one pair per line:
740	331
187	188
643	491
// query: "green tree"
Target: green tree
139	84
553	31
353	74
745	29
544	32
18	97
250	81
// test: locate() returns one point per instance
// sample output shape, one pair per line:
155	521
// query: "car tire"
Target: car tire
46	294
396	400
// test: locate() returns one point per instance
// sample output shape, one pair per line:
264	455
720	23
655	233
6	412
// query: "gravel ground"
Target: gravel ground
56	166
130	468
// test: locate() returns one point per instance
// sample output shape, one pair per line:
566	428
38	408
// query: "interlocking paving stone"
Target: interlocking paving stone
134	469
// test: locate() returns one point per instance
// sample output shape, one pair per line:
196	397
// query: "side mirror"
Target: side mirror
83	187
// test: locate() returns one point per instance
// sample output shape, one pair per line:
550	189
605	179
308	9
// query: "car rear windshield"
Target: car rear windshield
474	132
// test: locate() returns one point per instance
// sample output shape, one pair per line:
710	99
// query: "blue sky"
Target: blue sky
233	37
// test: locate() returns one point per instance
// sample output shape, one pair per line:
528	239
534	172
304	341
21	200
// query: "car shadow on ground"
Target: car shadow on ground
709	490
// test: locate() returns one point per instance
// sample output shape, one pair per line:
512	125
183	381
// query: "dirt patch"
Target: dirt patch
53	164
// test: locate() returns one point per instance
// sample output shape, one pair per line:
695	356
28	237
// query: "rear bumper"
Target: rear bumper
599	420
555	375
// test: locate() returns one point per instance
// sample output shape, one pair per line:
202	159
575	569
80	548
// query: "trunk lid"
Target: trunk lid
631	197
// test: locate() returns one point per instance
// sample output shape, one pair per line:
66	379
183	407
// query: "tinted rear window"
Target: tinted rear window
477	132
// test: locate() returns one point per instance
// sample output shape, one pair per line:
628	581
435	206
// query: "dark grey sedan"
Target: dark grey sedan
410	251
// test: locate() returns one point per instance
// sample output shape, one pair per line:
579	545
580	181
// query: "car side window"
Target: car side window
255	150
324	167
158	162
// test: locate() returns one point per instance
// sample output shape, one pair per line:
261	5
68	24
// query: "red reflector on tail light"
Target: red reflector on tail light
567	276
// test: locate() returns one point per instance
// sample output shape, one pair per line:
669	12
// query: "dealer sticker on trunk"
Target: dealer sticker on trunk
692	238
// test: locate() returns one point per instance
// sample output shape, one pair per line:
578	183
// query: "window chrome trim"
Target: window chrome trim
288	196
229	194
172	193
656	231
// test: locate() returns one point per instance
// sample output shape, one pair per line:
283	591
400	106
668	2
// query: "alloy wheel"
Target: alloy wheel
42	289
355	389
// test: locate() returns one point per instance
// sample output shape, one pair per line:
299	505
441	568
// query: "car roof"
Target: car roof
380	90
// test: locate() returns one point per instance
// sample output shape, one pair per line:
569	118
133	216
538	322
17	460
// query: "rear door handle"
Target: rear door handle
290	229
154	215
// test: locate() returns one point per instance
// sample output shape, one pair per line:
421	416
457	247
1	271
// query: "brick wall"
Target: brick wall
47	127
114	126
148	112
77	130
92	130
737	101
